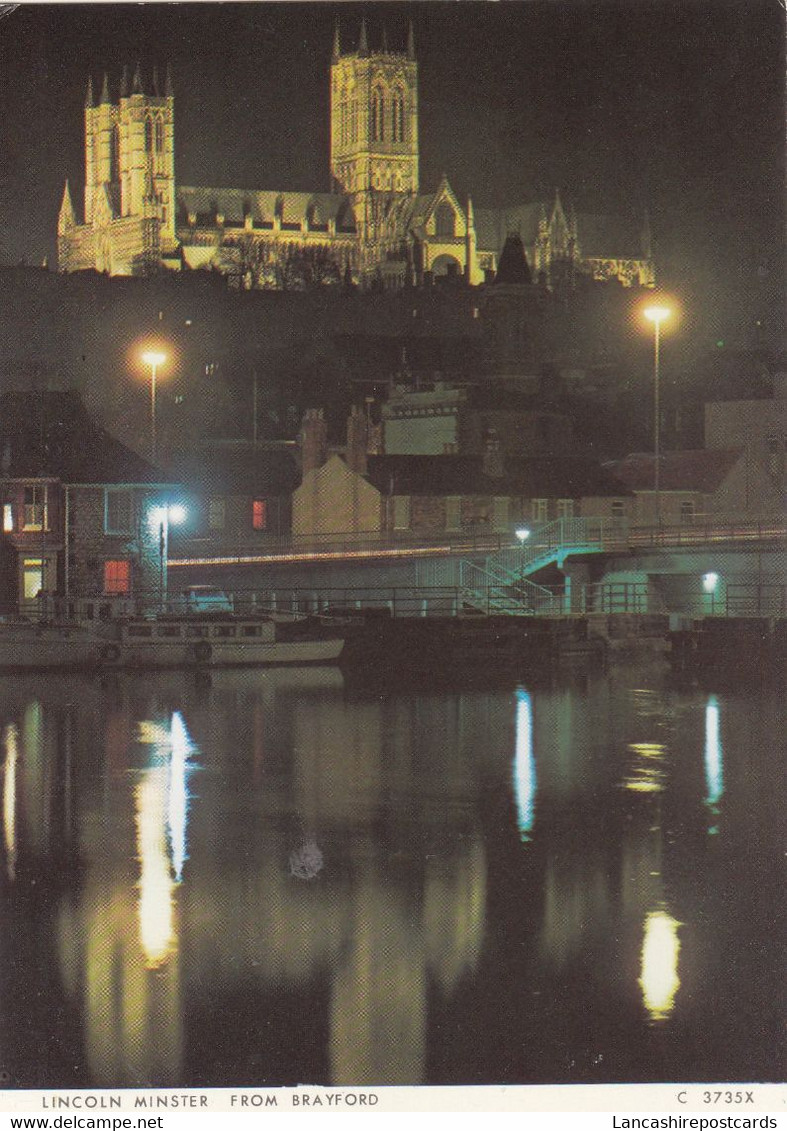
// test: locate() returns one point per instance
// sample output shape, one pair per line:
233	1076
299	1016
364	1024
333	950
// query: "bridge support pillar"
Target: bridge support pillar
577	577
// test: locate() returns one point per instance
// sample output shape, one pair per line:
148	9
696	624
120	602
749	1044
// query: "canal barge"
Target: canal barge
174	641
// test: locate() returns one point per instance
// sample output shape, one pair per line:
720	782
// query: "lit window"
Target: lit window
118	512
117	577
33	570
8	517
259	514
35	512
216	514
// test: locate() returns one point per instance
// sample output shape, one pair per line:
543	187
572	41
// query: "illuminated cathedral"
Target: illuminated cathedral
377	226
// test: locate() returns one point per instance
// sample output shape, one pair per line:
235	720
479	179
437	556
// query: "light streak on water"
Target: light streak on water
11	742
524	764
659	979
177	812
714	773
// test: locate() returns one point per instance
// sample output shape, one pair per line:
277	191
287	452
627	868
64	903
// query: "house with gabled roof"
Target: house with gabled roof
82	515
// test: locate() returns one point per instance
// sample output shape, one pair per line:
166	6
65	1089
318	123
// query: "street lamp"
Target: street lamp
656	314
161	517
154	359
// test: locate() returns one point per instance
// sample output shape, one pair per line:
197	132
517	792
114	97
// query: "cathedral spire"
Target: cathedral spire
385	40
337	46
136	87
363	45
67	217
156	92
124	82
410	41
104	91
169	90
89	92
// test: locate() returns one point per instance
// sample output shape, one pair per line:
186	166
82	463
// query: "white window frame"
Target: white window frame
30	519
217	513
127	495
539	509
565	508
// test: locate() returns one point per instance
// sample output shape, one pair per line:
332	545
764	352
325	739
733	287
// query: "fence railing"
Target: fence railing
476	594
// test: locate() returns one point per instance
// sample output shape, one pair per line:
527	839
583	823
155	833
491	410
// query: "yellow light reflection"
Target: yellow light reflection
11	742
156	912
524	764
659	977
647	773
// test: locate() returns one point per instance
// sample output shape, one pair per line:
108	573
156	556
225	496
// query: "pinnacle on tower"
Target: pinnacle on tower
363	45
168	88
124	82
136	86
67	217
385	40
410	41
89	93
337	47
156	92
104	91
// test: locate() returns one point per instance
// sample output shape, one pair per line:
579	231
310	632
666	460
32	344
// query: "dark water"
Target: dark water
277	877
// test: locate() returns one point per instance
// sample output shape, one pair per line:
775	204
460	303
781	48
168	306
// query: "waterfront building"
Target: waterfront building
376	226
82	514
430	495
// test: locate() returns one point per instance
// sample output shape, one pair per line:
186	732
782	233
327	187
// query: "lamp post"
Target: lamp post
154	359
656	315
161	517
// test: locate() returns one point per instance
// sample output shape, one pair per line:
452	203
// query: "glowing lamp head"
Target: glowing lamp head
522	534
656	314
153	358
177	513
709	582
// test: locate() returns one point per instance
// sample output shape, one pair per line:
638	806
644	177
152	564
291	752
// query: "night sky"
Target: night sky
677	107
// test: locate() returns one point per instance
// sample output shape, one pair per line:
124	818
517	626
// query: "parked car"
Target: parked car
206	599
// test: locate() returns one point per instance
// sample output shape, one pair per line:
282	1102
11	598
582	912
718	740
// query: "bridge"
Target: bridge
605	565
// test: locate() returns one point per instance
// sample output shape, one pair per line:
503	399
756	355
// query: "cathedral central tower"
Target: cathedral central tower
374	118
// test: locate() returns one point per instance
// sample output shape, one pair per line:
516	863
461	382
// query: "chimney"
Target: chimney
493	456
314	440
357	440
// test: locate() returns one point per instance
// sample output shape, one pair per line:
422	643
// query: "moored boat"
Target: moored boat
214	641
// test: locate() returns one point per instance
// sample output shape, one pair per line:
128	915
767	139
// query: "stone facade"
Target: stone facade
375	228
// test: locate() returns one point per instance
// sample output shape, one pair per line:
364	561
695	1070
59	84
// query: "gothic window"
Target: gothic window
159	136
445	221
114	155
378	115
148	136
343	130
397	116
353	119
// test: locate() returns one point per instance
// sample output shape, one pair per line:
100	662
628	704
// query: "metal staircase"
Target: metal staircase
502	585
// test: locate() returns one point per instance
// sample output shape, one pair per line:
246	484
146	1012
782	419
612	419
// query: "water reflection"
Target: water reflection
350	890
714	776
524	764
659	969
